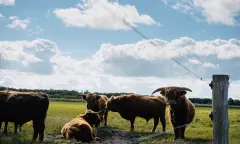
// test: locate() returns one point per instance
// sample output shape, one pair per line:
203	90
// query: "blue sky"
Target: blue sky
81	39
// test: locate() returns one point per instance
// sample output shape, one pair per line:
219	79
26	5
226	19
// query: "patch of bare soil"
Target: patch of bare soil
106	135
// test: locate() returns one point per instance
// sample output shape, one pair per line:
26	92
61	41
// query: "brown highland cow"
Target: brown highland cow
181	110
133	105
21	107
80	128
96	103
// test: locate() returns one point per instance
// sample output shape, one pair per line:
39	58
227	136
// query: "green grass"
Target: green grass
60	113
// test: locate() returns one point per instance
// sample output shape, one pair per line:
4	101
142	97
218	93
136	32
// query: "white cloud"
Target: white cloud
1	16
223	49
220	11
27	52
205	64
102	14
182	7
36	31
18	24
165	1
215	11
95	73
7	2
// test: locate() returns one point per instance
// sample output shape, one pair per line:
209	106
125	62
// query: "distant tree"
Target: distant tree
86	92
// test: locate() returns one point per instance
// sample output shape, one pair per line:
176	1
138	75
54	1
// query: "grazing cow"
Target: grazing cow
96	103
6	125
181	110
133	105
80	128
21	107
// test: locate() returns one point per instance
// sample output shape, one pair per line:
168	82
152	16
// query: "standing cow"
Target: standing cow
133	105
181	110
96	103
80	128
21	107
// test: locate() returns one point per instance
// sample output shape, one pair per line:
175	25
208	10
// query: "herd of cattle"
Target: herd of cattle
21	107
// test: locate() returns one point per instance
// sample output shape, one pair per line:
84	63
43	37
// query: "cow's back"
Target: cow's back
143	106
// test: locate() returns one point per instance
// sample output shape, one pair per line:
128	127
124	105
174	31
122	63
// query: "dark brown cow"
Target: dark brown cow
80	128
133	105
21	107
96	103
181	110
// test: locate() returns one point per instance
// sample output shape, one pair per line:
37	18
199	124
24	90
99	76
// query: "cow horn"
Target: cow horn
184	88
97	112
159	89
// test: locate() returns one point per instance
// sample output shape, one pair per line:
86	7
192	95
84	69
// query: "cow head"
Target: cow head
91	117
173	94
113	103
91	99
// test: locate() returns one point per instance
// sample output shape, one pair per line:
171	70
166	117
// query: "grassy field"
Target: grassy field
61	112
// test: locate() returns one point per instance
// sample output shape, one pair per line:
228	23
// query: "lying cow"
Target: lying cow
133	105
96	103
181	110
21	107
80	128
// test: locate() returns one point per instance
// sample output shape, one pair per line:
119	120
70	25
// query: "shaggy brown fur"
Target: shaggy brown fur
181	110
80	128
21	107
133	105
96	103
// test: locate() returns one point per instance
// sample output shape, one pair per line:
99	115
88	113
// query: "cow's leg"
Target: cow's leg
132	123
41	130
105	117
182	131
163	121
156	121
176	133
15	128
5	128
35	130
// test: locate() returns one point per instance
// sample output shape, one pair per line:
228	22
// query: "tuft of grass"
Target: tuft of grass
61	112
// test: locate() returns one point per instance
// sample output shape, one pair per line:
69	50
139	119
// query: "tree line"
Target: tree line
72	94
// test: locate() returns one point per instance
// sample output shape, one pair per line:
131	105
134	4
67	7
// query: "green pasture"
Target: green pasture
61	112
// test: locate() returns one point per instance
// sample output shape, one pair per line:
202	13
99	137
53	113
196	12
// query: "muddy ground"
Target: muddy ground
106	135
110	136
